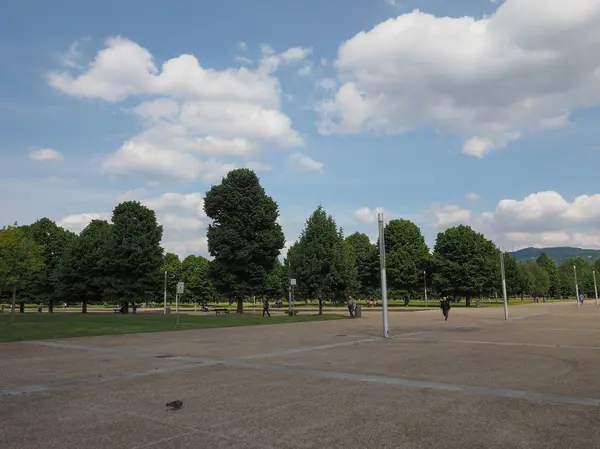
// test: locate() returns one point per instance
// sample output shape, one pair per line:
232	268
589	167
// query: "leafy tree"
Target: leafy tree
136	252
20	257
538	279
407	255
566	275
195	274
551	268
366	259
511	271
275	284
244	237
172	265
83	273
321	261
42	286
467	263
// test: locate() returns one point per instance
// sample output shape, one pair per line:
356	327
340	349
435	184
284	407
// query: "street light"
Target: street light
384	304
504	285
595	286
576	287
425	284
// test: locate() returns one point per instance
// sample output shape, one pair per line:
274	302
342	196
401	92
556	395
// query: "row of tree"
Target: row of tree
122	261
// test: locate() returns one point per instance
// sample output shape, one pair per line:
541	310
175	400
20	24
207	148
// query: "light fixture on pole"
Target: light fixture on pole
595	286
165	296
425	284
504	285
576	286
384	303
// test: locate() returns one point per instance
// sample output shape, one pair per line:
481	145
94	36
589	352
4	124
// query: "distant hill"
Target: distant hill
558	254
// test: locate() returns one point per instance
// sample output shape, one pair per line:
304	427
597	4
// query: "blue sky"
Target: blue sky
352	105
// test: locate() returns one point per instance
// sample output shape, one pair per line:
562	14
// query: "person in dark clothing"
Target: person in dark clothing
445	306
266	307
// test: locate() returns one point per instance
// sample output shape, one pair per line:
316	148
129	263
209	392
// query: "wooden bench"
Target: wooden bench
218	311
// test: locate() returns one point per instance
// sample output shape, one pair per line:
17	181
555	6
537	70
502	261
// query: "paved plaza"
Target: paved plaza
475	381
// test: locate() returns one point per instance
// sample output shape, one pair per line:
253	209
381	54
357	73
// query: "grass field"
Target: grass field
33	326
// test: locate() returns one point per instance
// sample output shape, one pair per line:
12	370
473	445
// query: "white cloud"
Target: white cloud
545	219
305	70
366	215
181	215
45	155
199	113
301	162
449	215
472	196
488	80
78	222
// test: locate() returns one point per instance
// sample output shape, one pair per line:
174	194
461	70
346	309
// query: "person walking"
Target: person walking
581	298
351	305
445	306
266	307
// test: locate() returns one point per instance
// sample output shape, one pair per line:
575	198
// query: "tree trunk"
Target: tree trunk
320	306
84	306
13	310
240	305
22	307
467	302
51	306
126	307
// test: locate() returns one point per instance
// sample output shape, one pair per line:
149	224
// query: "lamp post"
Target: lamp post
425	284
576	286
504	285
384	303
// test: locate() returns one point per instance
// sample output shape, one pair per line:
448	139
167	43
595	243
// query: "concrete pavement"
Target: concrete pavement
475	381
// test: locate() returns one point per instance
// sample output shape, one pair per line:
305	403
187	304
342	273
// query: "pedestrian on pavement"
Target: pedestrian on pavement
266	307
445	306
351	305
581	298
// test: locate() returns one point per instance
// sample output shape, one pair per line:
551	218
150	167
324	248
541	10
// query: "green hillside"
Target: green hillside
558	254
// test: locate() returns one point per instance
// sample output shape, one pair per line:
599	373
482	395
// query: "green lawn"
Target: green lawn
32	326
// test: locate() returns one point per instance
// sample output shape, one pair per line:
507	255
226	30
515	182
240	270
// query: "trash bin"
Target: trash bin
167	311
357	311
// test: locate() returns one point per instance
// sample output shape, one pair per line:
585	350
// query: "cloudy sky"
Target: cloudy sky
442	112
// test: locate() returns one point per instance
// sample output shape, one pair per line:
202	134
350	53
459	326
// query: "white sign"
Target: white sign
180	287
292	281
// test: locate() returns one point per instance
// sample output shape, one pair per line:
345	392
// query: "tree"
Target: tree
406	255
136	252
550	267
511	272
366	259
467	263
83	273
42	285
195	274
539	280
172	265
275	284
20	257
244	237
320	260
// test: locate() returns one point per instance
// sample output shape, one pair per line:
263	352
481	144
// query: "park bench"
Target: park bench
218	311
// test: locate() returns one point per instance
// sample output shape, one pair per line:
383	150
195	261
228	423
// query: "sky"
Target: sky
472	112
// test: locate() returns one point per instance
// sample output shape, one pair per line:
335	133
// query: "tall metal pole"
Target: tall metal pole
576	286
504	285
595	286
425	284
165	298
384	303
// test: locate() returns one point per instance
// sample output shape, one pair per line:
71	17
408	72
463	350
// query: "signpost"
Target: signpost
291	299
180	290
384	302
